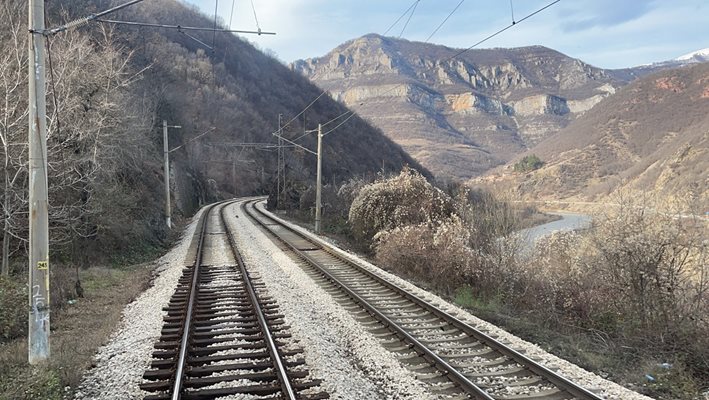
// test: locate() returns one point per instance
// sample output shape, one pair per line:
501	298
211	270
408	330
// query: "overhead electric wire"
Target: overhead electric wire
214	34
195	39
86	20
231	15
501	30
185	28
400	17
409	19
340	124
193	139
444	21
255	17
512	11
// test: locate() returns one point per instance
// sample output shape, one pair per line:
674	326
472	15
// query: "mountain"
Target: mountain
240	92
460	114
699	56
109	89
653	135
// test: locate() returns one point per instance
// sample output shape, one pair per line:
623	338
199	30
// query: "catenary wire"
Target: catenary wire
409	19
400	17
444	21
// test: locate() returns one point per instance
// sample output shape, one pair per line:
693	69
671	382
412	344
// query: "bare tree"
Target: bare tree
13	124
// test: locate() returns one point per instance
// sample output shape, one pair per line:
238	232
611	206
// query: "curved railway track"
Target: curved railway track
222	335
454	359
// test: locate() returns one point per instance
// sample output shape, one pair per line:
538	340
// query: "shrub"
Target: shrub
406	199
13	312
436	252
528	163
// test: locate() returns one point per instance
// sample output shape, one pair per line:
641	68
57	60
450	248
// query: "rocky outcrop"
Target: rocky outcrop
541	104
500	100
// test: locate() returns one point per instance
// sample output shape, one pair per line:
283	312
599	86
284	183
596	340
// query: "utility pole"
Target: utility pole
318	187
166	156
278	174
38	337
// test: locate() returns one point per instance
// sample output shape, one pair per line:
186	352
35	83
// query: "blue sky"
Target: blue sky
605	33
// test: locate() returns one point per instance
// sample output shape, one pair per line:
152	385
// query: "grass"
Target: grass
77	332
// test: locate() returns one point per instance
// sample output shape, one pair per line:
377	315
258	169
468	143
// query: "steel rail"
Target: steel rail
436	360
558	380
278	365
179	372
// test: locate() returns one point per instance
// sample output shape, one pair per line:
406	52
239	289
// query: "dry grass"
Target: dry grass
77	332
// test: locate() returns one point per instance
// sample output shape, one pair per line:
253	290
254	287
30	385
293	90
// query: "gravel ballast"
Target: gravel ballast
350	361
120	364
602	387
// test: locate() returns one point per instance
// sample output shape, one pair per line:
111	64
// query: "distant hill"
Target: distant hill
695	57
652	135
460	116
240	91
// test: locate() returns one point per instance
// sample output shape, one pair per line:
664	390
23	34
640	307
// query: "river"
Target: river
568	222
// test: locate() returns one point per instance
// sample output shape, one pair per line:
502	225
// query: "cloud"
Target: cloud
588	14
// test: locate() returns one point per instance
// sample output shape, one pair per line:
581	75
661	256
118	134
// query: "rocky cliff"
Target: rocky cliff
652	136
460	115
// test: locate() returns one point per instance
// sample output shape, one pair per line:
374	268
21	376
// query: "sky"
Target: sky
604	33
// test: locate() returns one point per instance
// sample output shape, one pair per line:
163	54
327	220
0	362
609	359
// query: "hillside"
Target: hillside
461	116
114	86
652	135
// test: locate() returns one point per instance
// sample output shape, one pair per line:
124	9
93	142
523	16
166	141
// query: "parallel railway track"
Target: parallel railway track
222	335
454	359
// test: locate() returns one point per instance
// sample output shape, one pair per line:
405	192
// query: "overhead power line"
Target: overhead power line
444	21
409	19
184	28
400	17
86	20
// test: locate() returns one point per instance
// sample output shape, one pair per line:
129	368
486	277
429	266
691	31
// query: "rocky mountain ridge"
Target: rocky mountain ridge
652	136
460	114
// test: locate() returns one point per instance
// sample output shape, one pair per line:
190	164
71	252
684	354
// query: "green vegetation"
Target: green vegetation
528	163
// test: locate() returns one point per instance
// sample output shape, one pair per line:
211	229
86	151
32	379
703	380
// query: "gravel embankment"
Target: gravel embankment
120	363
350	361
602	387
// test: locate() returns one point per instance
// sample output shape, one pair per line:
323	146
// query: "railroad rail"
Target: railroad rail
454	359
222	334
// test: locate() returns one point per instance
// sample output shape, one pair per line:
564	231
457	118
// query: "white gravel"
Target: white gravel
602	387
350	361
120	363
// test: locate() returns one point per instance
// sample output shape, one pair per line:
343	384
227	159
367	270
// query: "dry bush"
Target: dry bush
406	199
13	312
639	277
436	252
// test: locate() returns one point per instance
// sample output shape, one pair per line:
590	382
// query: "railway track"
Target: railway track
455	360
222	335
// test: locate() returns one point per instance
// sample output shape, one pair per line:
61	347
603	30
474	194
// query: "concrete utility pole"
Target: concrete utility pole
318	187
278	173
166	156
38	338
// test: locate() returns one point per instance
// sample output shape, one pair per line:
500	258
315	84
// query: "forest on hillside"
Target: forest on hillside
108	90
